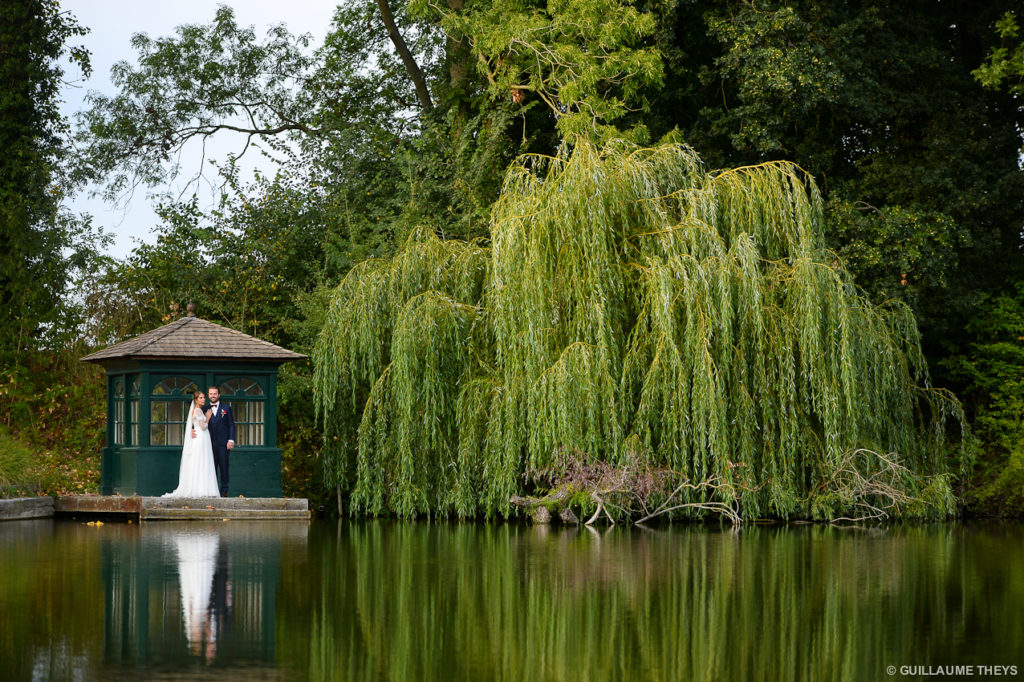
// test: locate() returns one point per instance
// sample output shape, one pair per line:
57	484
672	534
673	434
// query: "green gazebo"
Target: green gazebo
150	380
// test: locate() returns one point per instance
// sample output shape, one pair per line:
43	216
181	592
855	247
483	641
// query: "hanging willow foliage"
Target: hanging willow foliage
629	305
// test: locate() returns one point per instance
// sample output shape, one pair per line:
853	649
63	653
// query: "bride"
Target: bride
196	477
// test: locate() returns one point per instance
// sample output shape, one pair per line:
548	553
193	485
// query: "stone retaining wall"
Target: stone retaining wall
26	508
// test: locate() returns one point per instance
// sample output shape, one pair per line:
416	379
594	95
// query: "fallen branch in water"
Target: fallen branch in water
710	485
597	512
876	484
637	493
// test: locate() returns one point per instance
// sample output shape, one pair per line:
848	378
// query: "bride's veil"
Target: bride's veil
188	422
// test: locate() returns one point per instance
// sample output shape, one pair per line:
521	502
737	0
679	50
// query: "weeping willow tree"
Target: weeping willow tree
633	306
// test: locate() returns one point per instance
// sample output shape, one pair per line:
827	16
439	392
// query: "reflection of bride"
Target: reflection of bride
196	477
197	556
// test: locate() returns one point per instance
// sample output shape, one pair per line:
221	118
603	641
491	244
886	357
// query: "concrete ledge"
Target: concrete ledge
26	508
184	508
164	514
97	504
240	503
206	508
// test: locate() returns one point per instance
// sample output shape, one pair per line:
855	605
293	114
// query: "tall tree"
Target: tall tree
35	231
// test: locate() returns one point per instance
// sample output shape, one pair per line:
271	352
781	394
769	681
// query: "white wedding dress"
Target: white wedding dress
197	476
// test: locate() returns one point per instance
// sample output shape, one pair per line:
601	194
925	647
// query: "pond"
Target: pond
418	601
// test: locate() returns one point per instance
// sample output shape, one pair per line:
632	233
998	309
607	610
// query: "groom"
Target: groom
222	435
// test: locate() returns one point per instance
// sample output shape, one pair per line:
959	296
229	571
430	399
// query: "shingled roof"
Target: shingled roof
194	338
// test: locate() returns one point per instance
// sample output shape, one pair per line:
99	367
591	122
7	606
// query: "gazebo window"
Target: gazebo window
133	411
118	405
247	399
171	398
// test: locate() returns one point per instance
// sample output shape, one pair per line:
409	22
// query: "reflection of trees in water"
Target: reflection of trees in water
51	600
81	602
420	601
411	601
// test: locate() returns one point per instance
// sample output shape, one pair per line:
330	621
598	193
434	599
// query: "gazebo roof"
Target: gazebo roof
193	338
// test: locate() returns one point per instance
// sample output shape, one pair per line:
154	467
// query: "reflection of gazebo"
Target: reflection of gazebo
152	572
150	379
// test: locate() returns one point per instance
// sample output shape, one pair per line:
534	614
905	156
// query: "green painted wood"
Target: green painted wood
271	425
153	471
144	408
110	408
250	472
126	473
109	463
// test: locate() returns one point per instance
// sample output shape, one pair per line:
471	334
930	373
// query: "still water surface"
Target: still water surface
417	601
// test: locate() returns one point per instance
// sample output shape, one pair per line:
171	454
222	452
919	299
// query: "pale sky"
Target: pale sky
112	23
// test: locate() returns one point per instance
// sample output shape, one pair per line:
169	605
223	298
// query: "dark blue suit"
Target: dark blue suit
222	429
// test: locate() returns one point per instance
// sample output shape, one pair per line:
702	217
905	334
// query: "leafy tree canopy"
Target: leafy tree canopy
1004	66
42	245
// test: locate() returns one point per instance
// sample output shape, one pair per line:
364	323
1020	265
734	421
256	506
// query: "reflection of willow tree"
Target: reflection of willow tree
504	602
635	307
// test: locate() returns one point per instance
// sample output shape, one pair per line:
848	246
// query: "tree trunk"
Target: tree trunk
458	56
407	59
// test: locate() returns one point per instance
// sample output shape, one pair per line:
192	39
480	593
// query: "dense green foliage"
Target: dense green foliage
579	57
992	369
15	465
54	407
633	306
256	261
1004	66
42	245
406	118
917	161
420	142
